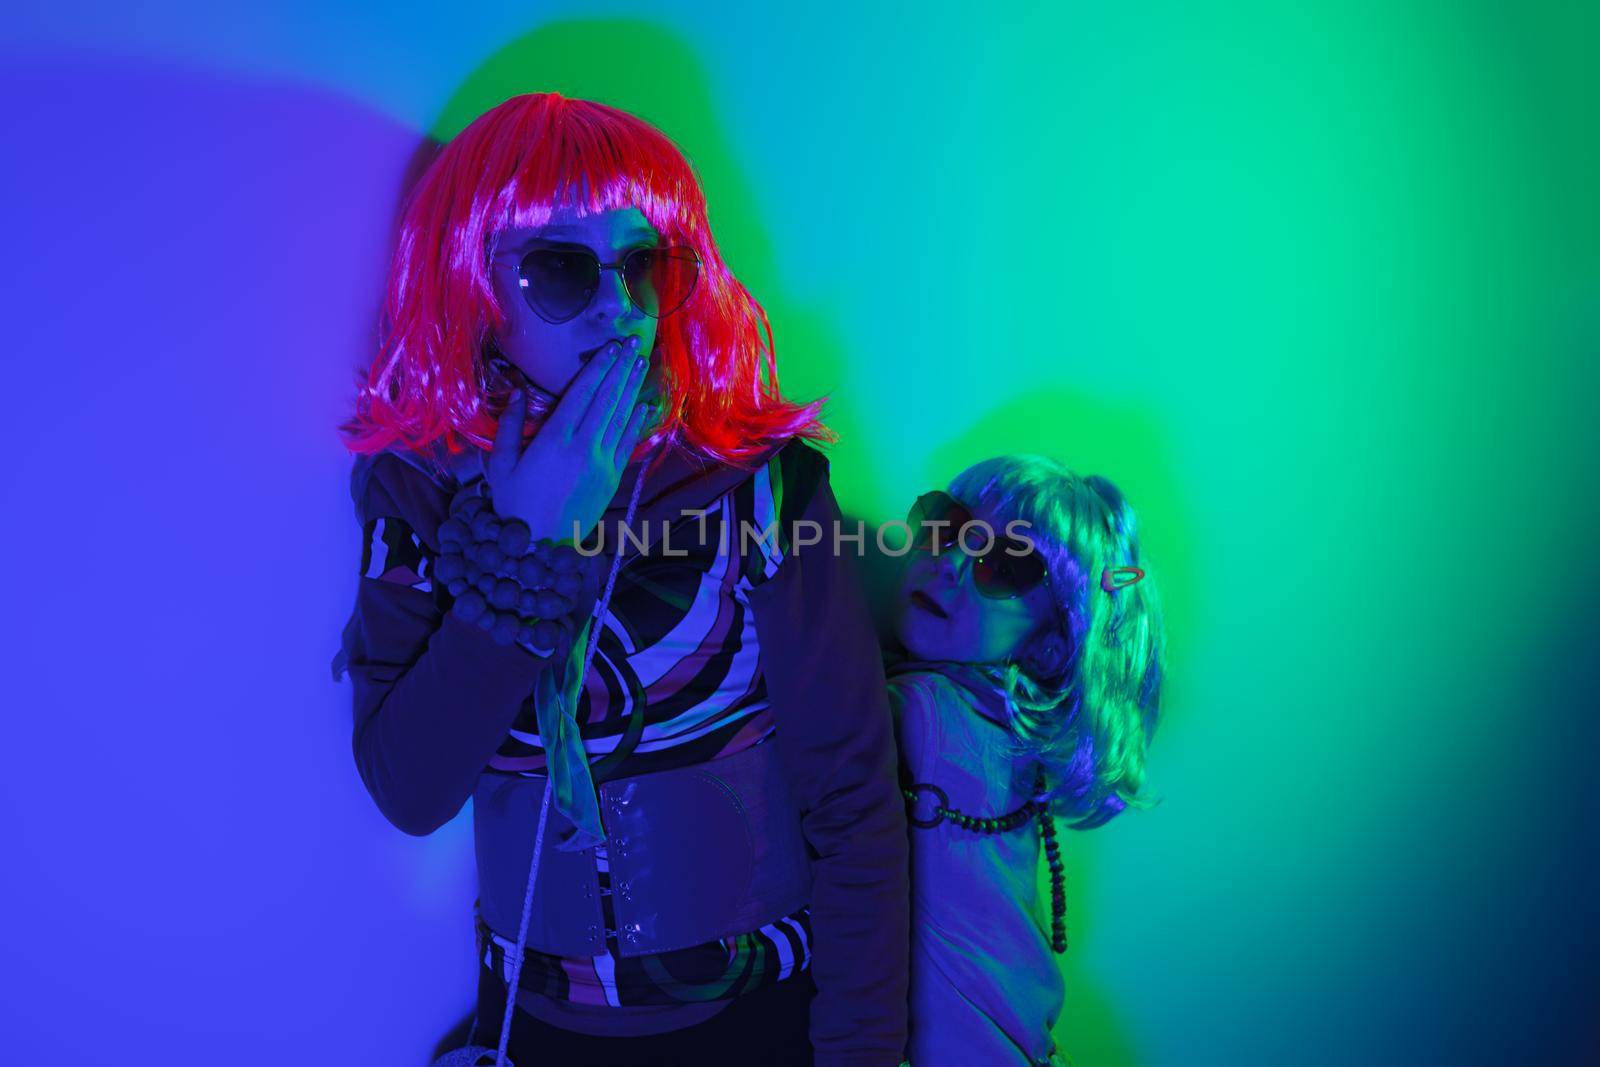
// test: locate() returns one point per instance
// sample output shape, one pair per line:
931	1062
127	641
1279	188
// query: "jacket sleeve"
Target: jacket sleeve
433	696
826	685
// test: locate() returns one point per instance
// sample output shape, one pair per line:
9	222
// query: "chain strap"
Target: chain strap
1000	824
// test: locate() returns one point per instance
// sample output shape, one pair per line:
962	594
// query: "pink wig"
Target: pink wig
429	382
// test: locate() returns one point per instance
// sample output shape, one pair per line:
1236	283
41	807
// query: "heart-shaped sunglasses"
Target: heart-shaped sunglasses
558	282
1007	567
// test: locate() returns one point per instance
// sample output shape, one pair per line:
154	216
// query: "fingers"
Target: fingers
507	439
574	405
613	400
623	450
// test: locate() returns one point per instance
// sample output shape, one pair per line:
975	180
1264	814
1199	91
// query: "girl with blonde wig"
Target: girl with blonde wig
1026	688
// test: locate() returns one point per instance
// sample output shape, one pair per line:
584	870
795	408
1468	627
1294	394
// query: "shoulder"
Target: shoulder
399	506
948	737
789	477
401	496
801	457
953	685
923	688
955	698
778	495
925	704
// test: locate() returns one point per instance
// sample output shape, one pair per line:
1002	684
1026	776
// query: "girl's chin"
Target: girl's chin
919	636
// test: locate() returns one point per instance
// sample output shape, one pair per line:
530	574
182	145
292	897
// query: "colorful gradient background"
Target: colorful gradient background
1317	284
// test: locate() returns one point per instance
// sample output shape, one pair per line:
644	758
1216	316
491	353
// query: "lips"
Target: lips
922	600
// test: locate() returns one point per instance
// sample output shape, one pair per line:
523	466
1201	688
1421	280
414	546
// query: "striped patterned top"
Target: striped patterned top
436	705
676	677
676	680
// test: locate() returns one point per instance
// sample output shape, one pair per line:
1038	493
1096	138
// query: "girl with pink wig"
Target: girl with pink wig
689	839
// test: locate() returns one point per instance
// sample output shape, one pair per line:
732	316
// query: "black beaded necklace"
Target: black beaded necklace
1001	824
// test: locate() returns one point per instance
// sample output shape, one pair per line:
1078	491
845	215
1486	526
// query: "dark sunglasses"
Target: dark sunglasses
1010	567
558	283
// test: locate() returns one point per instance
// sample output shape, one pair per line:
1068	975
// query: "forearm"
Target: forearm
434	695
424	731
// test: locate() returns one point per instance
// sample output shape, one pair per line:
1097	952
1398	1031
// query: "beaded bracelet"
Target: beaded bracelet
504	581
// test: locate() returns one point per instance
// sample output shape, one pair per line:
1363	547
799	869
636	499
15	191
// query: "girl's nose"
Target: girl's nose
612	300
950	564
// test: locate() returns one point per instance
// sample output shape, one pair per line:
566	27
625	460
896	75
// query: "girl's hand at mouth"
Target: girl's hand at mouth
563	480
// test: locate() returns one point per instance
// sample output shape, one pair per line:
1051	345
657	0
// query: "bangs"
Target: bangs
1033	489
583	155
1045	494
